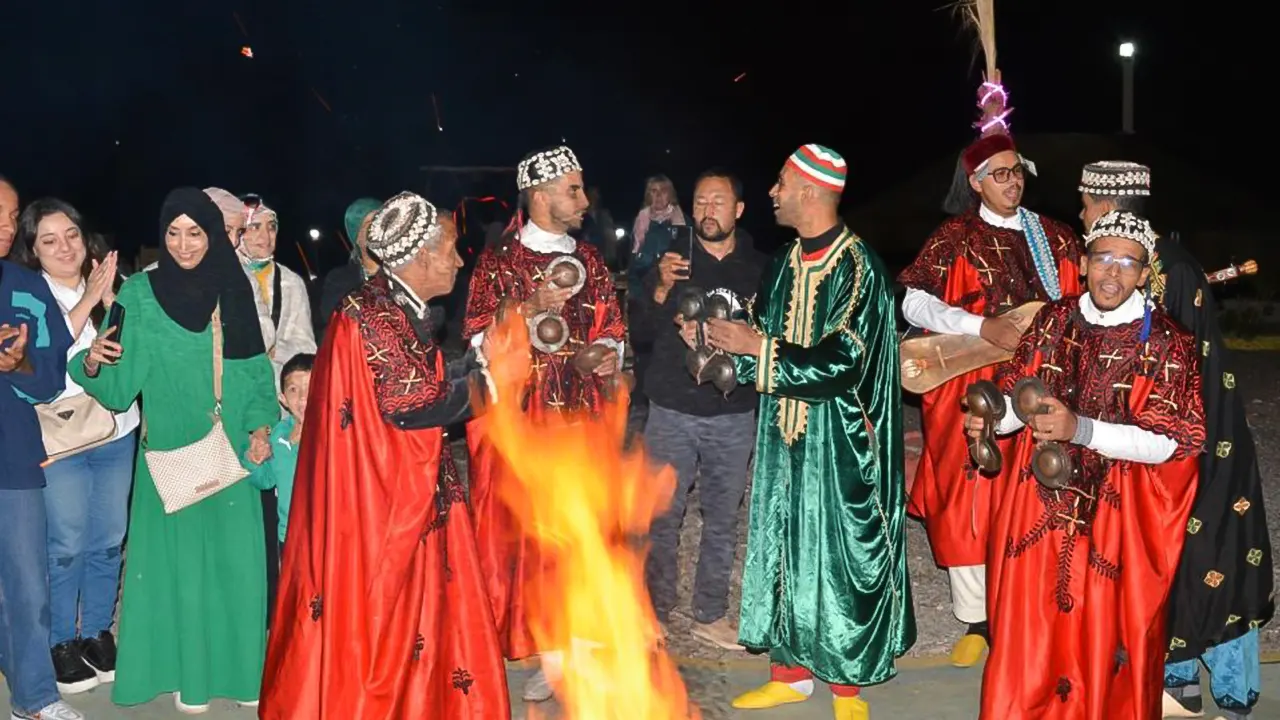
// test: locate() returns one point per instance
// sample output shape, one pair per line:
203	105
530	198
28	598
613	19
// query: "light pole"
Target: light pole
1126	69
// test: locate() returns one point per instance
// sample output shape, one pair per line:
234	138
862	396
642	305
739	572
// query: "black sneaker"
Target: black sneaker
100	654
72	673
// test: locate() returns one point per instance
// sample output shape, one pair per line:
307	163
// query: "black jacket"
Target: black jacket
666	380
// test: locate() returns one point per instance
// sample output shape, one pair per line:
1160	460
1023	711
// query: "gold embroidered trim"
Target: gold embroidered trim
807	278
764	365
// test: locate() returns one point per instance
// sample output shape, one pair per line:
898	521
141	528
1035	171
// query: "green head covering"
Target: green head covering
356	213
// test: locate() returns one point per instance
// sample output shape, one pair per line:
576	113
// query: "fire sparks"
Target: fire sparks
584	501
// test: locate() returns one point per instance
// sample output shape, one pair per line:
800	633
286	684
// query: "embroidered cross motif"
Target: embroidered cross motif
411	381
1169	365
1213	578
1047	366
1167	402
1073	519
351	304
1062	245
1043	340
1254	557
986	271
376	355
1242	506
1123	389
998	248
1113	356
1071	341
1147	360
942	270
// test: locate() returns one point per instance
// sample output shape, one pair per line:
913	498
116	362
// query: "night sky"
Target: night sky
109	105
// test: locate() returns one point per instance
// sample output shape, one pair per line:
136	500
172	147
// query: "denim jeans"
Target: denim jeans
24	601
87	501
717	451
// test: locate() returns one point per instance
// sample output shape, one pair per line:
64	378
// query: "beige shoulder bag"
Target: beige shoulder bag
189	474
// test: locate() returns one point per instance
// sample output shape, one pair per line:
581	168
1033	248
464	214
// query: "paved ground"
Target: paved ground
923	690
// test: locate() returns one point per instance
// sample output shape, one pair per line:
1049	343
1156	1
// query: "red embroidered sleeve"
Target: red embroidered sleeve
929	270
406	371
1175	407
603	295
482	295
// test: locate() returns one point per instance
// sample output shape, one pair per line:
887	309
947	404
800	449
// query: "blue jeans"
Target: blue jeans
1235	672
24	602
87	501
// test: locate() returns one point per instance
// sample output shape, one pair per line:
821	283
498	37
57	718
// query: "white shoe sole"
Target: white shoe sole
710	638
104	676
188	709
76	688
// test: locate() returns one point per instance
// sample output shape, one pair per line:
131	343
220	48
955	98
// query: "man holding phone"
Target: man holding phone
697	429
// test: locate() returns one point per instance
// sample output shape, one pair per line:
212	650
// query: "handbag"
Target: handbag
74	425
184	476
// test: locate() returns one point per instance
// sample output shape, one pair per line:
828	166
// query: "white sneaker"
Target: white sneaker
53	711
537	689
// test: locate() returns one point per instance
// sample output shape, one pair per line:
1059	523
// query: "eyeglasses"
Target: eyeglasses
1124	263
1003	175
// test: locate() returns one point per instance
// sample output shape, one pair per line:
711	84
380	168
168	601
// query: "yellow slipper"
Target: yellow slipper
968	651
769	695
851	708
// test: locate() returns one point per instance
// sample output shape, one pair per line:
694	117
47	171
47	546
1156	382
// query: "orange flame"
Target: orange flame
584	501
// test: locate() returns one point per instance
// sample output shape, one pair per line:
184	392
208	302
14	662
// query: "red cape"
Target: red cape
381	611
948	493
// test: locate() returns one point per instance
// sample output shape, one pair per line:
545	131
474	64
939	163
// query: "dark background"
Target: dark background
109	105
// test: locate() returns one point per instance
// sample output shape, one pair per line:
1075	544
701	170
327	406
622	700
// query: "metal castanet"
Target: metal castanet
704	363
566	272
1050	463
984	401
548	332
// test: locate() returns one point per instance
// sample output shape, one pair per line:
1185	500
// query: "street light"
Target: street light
315	234
1126	68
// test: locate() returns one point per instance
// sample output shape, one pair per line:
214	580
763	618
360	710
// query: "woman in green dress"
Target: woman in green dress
192	618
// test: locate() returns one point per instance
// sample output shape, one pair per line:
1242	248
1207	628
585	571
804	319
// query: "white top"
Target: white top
67	298
926	311
1112	440
295	334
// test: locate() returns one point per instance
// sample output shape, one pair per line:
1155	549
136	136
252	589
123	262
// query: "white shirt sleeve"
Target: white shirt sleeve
1010	423
926	311
1130	442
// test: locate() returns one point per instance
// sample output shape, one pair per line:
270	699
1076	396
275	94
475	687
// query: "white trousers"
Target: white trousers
969	593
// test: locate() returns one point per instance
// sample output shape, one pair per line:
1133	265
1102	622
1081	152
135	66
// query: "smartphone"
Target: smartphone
115	319
682	243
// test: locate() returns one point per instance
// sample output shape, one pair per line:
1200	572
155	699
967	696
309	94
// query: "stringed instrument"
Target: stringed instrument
930	360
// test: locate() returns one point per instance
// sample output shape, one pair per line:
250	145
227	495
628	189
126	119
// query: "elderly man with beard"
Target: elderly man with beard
1083	550
701	431
382	611
577	335
992	256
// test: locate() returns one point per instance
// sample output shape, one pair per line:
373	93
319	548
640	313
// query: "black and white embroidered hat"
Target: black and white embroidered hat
401	227
546	165
1124	225
1115	177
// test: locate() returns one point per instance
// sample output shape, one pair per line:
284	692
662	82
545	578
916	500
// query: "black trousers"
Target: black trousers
271	531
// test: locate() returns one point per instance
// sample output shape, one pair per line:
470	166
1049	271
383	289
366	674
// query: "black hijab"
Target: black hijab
188	297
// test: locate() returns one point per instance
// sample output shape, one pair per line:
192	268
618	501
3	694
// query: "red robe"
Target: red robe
511	567
1078	580
986	270
381	610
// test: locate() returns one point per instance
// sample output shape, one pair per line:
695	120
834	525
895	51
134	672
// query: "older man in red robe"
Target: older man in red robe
565	291
382	610
1103	394
990	257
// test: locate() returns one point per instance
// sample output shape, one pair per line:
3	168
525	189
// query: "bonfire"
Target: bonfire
585	502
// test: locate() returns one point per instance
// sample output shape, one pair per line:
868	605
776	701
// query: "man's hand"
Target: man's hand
259	446
688	331
974	425
737	338
103	351
14	356
1057	424
1001	332
548	297
671	268
609	365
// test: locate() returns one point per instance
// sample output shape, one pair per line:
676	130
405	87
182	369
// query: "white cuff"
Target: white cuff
615	345
1010	422
928	312
1130	442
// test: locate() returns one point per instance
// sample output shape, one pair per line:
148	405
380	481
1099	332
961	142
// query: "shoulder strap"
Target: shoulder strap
216	325
276	297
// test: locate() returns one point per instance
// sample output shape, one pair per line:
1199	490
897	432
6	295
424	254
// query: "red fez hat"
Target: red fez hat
982	149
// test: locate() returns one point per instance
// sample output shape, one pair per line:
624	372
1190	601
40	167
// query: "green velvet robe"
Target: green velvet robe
825	582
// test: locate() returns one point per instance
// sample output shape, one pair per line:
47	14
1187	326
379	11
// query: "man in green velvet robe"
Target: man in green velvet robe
825	585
